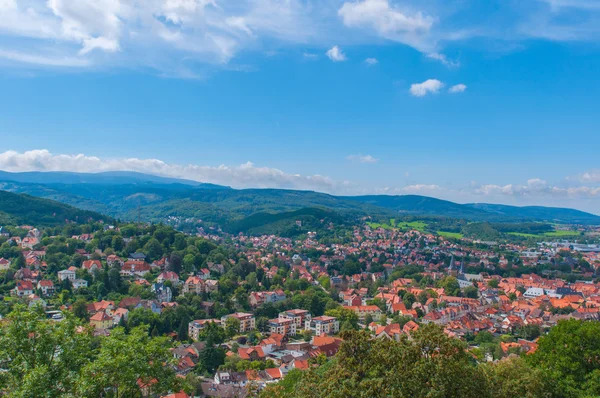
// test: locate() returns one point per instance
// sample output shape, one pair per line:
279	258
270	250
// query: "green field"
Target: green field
553	234
418	225
560	233
446	234
525	235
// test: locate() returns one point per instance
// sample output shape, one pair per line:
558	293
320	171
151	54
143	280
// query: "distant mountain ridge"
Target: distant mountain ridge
104	178
124	195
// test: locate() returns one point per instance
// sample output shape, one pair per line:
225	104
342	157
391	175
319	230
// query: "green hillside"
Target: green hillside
18	209
127	196
285	223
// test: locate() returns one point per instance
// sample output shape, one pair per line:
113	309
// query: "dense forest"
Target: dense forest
18	209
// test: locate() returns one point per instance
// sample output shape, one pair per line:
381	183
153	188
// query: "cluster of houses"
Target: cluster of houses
499	305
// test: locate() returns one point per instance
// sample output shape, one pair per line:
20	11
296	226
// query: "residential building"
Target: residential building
101	320
79	283
46	287
195	327
193	284
247	321
163	293
4	264
363	310
23	289
298	316
322	325
168	276
286	327
91	265
66	274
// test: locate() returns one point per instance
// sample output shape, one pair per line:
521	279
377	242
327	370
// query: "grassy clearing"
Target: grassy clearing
525	235
418	225
375	225
446	234
553	234
560	233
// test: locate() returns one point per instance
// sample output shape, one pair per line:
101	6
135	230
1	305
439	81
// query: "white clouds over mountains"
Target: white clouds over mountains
248	175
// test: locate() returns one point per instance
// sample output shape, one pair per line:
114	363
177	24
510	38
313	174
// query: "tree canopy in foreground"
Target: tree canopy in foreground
45	358
432	364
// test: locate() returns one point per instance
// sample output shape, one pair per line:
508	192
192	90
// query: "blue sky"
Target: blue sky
470	101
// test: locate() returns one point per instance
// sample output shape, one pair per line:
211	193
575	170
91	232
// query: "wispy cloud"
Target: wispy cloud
335	54
457	88
362	158
430	86
387	21
371	61
443	59
162	33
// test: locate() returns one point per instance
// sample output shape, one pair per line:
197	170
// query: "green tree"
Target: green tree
124	359
569	358
430	364
493	283
211	358
42	358
345	317
471	292
232	326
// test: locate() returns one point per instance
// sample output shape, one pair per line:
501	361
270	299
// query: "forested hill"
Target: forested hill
19	209
125	195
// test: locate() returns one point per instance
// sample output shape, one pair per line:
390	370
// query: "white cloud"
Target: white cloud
458	88
422	189
362	158
444	60
432	86
335	54
538	188
156	33
58	61
170	36
589	176
371	61
387	21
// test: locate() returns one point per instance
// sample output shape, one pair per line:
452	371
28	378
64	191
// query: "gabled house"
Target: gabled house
46	287
101	320
91	265
23	289
66	274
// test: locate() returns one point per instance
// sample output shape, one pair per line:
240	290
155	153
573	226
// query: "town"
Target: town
243	312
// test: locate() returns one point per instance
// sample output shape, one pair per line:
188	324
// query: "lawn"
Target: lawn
446	234
553	234
375	225
418	225
561	233
525	235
